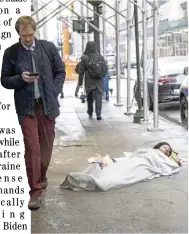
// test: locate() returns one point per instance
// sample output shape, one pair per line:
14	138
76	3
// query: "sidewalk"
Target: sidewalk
156	206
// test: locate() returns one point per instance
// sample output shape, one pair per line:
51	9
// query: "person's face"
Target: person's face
27	35
165	149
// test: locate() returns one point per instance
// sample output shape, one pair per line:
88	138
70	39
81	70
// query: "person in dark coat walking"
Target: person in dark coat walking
94	87
34	69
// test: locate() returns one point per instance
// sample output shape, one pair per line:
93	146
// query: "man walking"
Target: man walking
94	67
34	69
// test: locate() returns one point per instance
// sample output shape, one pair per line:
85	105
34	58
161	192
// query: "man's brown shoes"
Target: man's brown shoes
34	203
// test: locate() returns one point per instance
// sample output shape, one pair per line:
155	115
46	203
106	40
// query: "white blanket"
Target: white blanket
144	164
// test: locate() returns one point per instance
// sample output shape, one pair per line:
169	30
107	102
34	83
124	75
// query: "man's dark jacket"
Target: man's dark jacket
50	82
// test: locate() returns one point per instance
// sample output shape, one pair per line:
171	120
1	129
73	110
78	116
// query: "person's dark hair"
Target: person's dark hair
163	143
90	48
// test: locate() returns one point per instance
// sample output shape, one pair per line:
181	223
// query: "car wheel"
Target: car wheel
184	112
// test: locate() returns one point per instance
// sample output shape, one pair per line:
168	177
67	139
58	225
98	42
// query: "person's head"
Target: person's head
90	48
26	27
164	147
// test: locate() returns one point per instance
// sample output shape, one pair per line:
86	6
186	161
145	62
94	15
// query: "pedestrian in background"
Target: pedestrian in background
34	69
93	66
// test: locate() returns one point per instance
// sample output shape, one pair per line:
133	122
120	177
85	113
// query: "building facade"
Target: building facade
172	29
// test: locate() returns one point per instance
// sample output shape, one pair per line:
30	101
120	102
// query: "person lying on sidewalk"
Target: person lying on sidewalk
165	148
103	174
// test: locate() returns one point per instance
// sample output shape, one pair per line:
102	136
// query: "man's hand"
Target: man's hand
29	79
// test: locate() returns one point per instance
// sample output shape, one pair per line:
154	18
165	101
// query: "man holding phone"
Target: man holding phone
36	72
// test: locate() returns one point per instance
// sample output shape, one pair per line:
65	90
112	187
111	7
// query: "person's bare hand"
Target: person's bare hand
29	79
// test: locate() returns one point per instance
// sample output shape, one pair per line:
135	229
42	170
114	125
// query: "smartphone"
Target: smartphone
34	74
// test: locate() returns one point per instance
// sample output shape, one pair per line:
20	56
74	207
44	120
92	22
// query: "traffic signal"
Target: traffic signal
79	26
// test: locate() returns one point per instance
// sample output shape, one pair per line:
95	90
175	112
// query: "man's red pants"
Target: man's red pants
38	132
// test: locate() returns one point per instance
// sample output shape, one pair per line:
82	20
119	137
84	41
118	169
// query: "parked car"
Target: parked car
184	100
170	79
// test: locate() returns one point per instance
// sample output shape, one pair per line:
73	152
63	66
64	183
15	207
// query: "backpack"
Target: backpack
97	67
14	51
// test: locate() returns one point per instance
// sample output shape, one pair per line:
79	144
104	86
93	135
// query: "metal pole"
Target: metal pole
118	73
128	57
145	86
42	8
73	33
136	4
139	113
41	25
88	34
137	55
96	33
155	64
82	36
56	10
61	33
104	30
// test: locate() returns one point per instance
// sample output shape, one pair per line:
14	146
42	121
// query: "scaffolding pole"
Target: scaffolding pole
155	66
128	111
145	84
42	8
118	72
82	36
137	55
155	69
56	11
88	34
139	112
104	30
